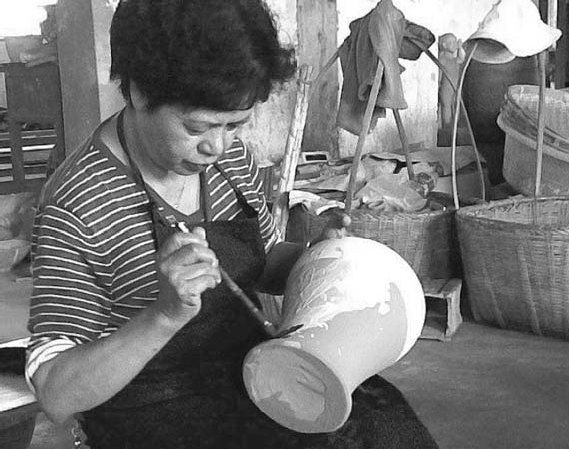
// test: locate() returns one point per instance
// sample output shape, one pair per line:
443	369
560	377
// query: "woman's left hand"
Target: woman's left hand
284	255
336	228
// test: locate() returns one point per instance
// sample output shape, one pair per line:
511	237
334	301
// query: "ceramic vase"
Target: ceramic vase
357	307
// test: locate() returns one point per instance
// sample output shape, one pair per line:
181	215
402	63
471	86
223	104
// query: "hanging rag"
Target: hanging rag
382	35
420	35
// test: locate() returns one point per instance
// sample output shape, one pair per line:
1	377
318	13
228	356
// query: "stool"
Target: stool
448	290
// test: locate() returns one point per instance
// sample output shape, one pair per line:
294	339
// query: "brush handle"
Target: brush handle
257	314
269	327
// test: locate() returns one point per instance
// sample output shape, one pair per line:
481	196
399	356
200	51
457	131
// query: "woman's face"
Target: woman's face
186	140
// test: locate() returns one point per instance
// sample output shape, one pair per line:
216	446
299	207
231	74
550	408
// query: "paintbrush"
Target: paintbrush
267	325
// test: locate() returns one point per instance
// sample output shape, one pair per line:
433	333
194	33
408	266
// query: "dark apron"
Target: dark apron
207	352
191	394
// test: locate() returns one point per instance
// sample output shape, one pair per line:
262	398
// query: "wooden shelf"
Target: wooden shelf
33	96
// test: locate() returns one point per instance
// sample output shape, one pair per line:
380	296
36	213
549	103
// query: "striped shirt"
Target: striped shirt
93	248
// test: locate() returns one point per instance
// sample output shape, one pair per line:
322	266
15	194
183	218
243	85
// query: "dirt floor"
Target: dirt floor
485	389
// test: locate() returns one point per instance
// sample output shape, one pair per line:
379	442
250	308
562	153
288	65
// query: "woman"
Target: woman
131	323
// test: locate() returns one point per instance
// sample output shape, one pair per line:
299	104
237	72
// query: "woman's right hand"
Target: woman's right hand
186	268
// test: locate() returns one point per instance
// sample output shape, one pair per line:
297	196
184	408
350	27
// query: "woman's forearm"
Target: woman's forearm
89	374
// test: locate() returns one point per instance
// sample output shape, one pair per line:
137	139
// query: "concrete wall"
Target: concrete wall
89	96
266	132
317	41
84	62
77	68
110	99
311	27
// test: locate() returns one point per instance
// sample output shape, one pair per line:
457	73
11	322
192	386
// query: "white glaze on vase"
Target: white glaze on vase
361	308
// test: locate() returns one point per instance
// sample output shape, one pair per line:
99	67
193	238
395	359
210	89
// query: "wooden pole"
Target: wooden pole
404	144
363	134
325	69
292	150
464	111
455	124
540	122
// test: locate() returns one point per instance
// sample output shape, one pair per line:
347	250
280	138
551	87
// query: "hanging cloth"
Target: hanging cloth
382	35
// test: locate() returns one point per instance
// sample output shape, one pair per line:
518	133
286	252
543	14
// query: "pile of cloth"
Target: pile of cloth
382	185
382	181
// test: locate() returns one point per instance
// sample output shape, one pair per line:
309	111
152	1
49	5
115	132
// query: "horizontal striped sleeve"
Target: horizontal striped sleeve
266	221
93	255
43	350
67	299
67	307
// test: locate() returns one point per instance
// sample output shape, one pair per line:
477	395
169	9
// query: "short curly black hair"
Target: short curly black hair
217	54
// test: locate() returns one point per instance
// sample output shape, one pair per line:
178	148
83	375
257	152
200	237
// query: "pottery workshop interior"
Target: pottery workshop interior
234	224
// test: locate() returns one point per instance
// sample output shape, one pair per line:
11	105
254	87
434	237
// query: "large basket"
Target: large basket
515	255
426	240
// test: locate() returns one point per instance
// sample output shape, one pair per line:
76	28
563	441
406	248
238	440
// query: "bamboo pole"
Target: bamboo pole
464	111
366	122
292	150
540	132
540	122
325	69
404	144
455	124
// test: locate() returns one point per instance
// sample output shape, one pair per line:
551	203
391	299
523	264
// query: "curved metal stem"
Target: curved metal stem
446	74
460	103
455	123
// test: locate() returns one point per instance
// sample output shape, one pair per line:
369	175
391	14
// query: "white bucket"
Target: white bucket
520	160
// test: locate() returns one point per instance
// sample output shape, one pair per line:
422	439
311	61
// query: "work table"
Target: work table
15	291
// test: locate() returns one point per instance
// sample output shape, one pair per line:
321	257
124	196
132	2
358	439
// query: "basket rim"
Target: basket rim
470	212
548	148
515	91
418	214
516	98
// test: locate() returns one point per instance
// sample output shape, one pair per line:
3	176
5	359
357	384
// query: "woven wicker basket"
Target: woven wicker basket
515	255
426	240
